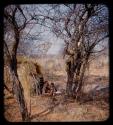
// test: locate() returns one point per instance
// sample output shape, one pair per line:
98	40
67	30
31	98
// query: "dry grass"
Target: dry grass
54	71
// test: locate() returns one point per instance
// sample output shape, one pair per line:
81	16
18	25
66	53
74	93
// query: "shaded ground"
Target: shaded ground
44	110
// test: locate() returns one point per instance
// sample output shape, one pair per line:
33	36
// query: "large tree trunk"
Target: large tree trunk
17	87
73	79
69	83
81	76
19	95
75	75
70	76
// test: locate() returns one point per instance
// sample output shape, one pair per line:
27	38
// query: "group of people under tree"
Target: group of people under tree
42	87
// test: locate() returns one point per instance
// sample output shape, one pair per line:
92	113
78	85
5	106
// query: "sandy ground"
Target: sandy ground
67	111
42	108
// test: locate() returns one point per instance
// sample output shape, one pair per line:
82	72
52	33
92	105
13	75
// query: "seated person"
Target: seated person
52	89
46	88
49	89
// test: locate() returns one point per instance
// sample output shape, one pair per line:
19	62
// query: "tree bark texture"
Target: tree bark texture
17	87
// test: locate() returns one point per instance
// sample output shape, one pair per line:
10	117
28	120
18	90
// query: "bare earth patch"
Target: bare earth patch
44	110
69	111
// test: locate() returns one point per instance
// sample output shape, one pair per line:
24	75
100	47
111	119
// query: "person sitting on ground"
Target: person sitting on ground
52	89
46	88
53	93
